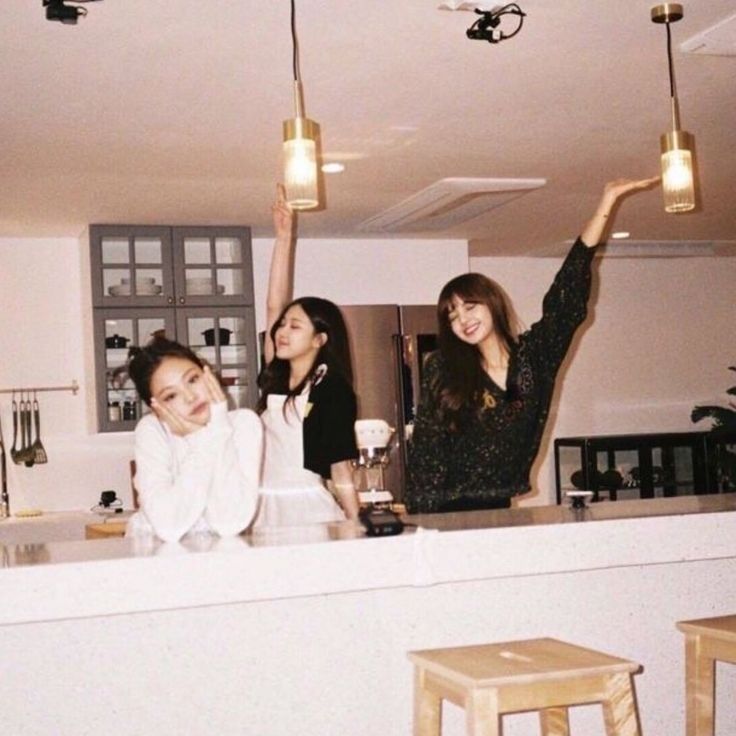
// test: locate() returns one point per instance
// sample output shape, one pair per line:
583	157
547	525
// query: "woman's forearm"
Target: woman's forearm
280	285
342	480
600	222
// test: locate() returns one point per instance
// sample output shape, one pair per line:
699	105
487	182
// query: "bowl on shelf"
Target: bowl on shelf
116	341
206	287
141	289
209	336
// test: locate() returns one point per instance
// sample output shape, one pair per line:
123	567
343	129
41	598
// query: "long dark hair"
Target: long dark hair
463	376
143	362
326	318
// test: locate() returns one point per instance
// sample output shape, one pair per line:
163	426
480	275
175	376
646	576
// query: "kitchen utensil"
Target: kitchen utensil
29	454
39	452
20	455
209	336
13	451
4	498
116	341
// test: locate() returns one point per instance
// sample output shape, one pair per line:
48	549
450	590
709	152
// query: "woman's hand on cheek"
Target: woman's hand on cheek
214	389
178	424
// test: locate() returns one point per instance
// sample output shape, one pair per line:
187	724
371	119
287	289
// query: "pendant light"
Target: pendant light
300	142
678	185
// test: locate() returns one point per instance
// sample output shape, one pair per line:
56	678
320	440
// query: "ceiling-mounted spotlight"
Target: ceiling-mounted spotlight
485	28
67	14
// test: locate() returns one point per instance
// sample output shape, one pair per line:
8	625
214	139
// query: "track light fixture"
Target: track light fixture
64	13
485	28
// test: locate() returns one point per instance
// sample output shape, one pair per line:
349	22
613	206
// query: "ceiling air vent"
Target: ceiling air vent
448	202
718	40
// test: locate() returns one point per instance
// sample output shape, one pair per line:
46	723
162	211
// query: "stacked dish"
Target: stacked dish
144	286
203	285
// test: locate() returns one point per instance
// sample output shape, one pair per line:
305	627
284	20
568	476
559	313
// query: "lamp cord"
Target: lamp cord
673	90
294	45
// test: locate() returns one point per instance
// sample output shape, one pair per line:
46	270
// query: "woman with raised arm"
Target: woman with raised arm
197	464
307	404
486	392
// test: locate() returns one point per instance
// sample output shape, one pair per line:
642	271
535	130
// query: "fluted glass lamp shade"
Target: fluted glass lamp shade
678	186
300	163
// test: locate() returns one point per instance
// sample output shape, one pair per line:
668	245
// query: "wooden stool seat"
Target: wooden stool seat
545	675
706	640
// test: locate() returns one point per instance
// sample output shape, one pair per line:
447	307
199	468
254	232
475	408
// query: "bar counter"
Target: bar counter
308	631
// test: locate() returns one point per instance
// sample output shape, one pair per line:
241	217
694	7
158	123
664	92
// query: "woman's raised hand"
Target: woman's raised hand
618	188
283	216
602	219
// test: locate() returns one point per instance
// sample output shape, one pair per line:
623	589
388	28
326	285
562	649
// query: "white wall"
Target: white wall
45	332
659	339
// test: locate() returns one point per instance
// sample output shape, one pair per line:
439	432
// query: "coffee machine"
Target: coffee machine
374	437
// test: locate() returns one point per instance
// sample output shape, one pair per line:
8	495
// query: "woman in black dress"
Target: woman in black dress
486	392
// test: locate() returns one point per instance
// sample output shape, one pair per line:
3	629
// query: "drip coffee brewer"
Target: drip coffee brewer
373	437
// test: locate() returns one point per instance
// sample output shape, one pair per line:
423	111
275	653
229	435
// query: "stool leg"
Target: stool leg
554	722
481	713
619	707
427	708
700	685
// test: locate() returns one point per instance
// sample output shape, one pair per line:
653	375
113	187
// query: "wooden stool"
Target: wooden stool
546	675
706	640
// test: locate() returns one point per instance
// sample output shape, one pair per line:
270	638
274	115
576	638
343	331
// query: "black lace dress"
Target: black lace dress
488	460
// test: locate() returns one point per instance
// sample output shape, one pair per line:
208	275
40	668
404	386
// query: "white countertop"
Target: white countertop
77	579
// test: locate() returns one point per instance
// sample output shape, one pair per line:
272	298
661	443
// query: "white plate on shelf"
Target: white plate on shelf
200	290
140	280
141	290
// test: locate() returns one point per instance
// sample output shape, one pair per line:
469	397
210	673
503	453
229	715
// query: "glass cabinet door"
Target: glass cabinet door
116	331
225	338
213	265
131	265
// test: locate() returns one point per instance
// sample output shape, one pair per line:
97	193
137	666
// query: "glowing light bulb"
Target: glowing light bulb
300	164
678	186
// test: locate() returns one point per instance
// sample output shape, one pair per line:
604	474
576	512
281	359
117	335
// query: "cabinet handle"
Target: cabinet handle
169	299
182	300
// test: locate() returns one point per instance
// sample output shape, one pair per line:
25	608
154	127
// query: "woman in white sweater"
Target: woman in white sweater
197	465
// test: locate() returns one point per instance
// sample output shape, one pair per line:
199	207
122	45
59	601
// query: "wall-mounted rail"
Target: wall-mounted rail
73	387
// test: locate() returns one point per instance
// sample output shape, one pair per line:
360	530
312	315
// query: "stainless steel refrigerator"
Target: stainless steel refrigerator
389	343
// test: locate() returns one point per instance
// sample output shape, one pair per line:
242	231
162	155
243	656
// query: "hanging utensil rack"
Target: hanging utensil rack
73	387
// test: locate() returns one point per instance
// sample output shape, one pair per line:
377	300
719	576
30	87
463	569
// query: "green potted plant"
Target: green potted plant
724	423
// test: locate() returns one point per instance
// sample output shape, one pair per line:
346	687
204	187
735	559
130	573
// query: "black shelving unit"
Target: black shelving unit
646	465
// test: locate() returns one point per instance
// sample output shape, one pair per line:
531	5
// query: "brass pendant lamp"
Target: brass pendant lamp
301	137
678	180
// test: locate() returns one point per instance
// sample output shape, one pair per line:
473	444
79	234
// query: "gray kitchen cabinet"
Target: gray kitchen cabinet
194	284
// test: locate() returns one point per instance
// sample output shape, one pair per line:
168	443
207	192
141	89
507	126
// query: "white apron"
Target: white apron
291	495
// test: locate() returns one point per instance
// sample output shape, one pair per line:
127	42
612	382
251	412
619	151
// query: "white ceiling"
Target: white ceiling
152	111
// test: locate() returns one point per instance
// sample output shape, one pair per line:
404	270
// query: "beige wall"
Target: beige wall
659	339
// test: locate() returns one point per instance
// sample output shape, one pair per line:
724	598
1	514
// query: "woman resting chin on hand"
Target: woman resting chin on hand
197	464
